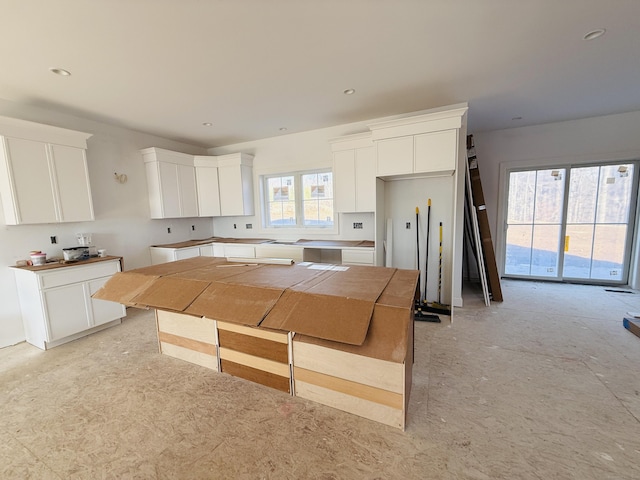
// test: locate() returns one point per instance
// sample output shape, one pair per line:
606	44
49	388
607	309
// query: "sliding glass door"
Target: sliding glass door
571	223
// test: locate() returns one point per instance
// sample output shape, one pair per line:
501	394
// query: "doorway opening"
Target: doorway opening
571	223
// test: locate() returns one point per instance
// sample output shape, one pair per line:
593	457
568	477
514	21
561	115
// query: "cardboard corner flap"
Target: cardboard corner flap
171	293
233	303
336	318
122	287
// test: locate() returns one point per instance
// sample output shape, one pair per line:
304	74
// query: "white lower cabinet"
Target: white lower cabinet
56	303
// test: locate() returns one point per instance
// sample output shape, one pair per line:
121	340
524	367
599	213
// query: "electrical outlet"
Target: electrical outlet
249	226
408	226
54	239
357	225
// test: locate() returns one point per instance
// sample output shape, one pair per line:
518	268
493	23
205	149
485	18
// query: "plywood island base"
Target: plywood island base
342	337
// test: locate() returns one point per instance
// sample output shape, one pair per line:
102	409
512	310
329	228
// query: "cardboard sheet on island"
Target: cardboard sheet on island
333	304
388	335
337	305
127	287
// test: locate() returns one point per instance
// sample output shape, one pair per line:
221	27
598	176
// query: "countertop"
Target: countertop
62	264
257	241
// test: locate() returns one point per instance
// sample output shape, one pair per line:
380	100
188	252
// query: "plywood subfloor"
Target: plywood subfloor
543	385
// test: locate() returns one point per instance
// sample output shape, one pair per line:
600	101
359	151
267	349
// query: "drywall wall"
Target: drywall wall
122	224
610	137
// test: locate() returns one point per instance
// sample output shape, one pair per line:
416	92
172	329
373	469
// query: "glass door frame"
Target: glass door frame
503	196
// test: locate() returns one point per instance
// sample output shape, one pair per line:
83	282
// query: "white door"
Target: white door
572	223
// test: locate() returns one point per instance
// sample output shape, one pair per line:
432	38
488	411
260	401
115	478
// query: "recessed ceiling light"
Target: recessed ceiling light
207	124
349	91
60	71
593	34
283	129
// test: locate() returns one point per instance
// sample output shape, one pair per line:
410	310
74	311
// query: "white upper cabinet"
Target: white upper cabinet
43	174
420	145
208	186
171	180
235	179
354	173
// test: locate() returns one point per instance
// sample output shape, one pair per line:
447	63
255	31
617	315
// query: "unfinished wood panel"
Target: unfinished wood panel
254	332
368	371
196	328
188	343
258	363
258	347
255	375
347	403
354	389
191	356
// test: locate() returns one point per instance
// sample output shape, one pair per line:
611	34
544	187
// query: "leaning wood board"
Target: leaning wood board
189	338
483	223
256	354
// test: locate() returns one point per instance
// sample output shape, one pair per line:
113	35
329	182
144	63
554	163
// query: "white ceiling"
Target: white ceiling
251	67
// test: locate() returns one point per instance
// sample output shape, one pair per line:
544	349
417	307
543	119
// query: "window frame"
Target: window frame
298	199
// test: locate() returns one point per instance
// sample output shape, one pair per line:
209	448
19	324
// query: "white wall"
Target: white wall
122	224
611	137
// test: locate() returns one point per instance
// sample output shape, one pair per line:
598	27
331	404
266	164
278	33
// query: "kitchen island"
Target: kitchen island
338	335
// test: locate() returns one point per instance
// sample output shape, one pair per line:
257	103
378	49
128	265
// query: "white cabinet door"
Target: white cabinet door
32	197
344	180
436	151
169	190
66	310
395	156
365	180
103	311
208	191
187	188
236	190
72	178
206	250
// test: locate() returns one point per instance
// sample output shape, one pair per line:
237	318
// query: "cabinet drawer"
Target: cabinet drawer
67	275
359	257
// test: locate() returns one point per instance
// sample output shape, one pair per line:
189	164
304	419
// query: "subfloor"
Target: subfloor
545	385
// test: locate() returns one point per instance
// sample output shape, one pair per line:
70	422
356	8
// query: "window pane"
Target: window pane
583	191
518	254
318	199
522	186
545	256
281	205
614	194
549	196
608	252
577	256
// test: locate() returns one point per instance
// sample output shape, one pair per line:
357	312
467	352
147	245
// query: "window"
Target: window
302	199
